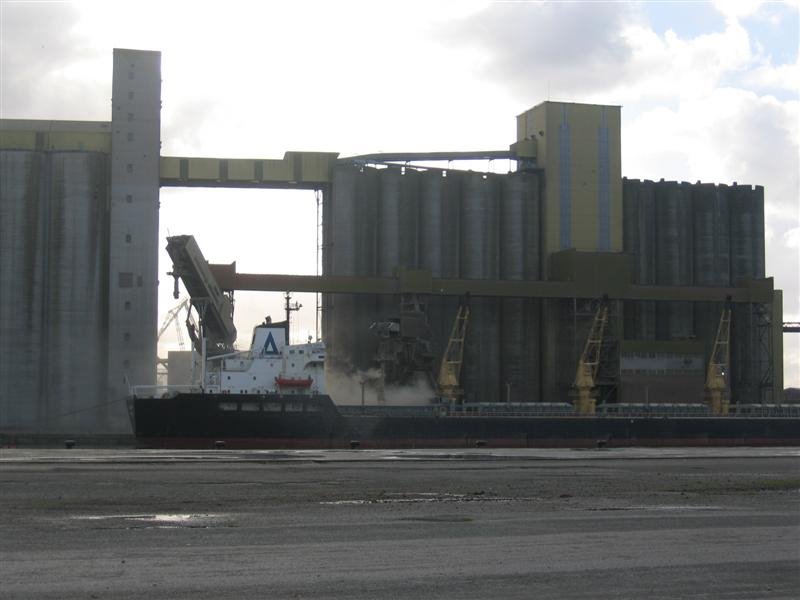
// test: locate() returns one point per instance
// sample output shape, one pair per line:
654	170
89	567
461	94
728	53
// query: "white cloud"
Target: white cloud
737	9
791	239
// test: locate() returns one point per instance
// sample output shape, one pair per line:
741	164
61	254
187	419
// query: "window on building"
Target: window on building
125	280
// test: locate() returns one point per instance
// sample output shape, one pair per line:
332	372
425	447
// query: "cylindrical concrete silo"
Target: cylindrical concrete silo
749	357
519	260
340	259
711	247
479	260
638	240
673	249
23	243
388	245
431	245
711	235
77	282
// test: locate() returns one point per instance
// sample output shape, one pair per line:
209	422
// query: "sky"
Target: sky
709	91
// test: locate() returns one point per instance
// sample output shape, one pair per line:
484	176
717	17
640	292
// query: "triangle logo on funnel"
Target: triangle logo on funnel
270	347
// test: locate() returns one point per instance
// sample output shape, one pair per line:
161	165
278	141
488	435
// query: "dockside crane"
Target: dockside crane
586	373
172	317
718	365
449	380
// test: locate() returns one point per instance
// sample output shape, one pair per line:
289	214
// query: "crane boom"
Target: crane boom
717	372
586	373
172	315
449	380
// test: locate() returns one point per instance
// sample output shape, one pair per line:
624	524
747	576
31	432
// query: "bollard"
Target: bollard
69	444
219	445
355	444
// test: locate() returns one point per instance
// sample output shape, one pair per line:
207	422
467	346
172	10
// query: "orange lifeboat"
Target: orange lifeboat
293	383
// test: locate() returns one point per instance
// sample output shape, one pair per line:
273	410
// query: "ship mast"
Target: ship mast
290	307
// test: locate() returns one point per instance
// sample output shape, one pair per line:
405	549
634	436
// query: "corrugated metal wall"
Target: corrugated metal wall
53	301
705	235
462	225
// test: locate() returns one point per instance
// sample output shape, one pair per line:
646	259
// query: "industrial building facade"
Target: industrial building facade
79	247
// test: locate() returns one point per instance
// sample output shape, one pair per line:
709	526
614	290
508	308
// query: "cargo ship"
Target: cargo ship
274	396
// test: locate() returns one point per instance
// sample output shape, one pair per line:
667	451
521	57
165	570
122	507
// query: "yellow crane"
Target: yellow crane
586	373
717	372
449	380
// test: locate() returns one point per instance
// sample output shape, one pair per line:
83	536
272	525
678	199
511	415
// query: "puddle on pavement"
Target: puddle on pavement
159	521
425	497
662	507
439	519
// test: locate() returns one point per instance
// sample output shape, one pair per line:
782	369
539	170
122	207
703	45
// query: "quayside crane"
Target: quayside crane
718	365
449	380
214	307
586	373
172	317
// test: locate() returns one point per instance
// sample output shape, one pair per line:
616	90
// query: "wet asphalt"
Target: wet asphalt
676	523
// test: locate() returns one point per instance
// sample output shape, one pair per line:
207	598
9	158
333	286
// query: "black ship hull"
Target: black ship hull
301	421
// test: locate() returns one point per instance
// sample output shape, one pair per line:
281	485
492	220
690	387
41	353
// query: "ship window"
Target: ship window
229	377
291	351
227	406
129	198
294	407
271	406
127	305
299	351
254	377
292	364
129	168
251	406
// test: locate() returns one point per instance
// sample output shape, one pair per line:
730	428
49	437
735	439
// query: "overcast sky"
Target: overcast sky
709	90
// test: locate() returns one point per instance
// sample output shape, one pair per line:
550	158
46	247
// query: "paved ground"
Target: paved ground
412	524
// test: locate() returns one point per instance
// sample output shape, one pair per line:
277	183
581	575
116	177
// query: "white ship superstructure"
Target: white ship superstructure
271	366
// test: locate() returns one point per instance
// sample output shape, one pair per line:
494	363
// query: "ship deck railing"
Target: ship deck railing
160	391
660	409
765	410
